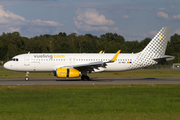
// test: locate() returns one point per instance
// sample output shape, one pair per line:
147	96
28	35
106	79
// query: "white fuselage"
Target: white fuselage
48	62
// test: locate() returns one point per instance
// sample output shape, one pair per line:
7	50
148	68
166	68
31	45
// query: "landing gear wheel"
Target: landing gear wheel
84	77
26	78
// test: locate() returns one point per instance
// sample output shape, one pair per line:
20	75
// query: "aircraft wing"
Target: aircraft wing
94	65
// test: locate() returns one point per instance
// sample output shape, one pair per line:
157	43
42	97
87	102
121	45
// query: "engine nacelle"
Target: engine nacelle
67	73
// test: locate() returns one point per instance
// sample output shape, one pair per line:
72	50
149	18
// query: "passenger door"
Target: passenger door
27	60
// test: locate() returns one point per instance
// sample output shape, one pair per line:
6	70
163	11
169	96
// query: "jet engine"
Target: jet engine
67	73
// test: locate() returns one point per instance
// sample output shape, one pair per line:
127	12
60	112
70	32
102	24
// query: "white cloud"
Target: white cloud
91	20
10	22
7	17
92	17
12	29
87	27
126	17
177	31
176	17
162	15
45	23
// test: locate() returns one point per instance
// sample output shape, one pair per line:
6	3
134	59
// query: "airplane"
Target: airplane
71	65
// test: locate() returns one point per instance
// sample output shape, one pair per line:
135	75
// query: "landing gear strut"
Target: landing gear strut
84	77
27	76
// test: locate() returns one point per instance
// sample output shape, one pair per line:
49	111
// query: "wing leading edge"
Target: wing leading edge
94	66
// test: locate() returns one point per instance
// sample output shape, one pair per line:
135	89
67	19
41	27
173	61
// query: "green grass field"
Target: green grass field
113	102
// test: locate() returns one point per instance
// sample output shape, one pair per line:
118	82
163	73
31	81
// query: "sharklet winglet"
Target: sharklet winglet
115	57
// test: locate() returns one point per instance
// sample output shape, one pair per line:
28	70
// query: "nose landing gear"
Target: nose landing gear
27	76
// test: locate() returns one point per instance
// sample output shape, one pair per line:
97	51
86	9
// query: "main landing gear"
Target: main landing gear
27	76
84	77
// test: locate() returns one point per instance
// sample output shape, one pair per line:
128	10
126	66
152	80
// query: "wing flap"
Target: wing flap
99	63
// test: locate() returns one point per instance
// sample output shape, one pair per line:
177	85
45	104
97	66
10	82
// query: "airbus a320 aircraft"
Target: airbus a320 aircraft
70	65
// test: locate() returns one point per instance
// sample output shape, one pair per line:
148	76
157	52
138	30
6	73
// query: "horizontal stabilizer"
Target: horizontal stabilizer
164	58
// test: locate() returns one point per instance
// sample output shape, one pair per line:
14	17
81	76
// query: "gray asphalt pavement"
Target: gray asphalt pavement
93	81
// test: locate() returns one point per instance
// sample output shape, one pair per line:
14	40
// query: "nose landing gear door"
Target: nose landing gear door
27	60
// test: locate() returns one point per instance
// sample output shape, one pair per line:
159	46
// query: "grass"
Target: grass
76	102
127	74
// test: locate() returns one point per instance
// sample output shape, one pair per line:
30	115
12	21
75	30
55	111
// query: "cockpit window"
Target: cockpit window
14	59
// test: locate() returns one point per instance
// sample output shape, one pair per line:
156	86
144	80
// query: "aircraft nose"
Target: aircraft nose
6	65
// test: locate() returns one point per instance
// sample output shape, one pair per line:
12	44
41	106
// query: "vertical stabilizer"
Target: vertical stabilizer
154	50
157	46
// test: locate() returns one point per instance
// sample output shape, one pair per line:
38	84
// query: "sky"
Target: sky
133	19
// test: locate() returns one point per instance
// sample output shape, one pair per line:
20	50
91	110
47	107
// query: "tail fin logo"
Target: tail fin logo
160	37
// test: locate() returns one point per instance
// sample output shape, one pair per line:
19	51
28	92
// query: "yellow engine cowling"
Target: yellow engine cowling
67	73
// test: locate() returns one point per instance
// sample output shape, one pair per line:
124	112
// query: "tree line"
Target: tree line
12	44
